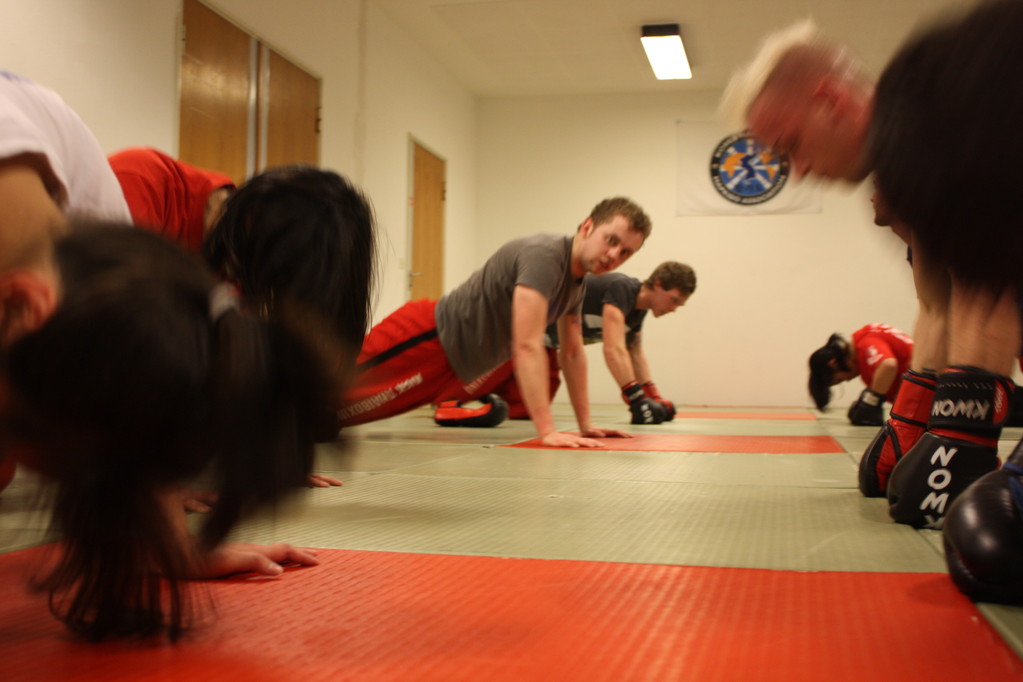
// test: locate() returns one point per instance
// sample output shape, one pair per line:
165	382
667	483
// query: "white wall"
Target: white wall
113	61
770	289
116	64
410	97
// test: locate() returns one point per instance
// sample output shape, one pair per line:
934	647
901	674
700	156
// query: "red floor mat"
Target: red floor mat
648	442
391	616
786	416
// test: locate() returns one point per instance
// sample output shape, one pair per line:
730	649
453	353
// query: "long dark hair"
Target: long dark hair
131	388
302	232
946	110
823	362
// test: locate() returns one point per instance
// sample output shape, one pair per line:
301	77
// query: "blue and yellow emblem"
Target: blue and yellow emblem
745	171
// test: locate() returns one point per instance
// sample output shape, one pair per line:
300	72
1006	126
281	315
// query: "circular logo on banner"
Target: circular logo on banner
745	171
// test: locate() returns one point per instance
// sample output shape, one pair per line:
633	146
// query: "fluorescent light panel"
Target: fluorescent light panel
664	49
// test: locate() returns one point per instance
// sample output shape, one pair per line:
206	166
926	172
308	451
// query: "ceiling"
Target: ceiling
505	48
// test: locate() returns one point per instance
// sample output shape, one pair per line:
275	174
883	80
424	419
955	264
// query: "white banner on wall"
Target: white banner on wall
722	172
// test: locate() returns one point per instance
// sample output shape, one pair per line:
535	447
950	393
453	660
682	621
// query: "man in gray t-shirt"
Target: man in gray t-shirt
458	349
474	321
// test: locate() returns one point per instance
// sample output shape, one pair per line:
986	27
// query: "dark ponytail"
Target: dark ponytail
945	109
132	388
270	392
823	362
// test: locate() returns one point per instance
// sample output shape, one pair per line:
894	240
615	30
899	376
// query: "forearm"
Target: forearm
886	374
573	366
930	341
531	373
619	363
930	334
984	328
640	367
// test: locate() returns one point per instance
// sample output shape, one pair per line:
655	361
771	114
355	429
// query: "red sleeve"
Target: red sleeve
146	210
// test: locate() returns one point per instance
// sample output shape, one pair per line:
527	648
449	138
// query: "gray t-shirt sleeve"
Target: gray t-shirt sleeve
474	321
538	267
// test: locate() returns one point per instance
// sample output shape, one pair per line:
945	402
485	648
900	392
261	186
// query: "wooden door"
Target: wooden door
290	124
243	107
216	93
426	278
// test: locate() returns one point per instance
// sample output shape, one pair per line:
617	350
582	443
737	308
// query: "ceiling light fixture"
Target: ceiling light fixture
664	49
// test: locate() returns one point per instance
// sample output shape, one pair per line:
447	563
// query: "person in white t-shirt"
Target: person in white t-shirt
51	167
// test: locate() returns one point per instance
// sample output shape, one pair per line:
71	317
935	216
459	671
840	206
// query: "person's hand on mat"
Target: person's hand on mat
594	432
237	557
323	481
557	439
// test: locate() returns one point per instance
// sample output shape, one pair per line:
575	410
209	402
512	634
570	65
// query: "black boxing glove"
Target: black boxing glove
866	411
970	406
929	477
651	392
983	536
643	409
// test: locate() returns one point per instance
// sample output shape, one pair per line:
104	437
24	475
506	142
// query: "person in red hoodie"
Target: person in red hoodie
878	353
170	197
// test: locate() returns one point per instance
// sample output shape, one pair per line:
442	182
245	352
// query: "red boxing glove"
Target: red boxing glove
632	391
651	392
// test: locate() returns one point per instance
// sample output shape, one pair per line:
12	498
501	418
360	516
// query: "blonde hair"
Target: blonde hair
788	58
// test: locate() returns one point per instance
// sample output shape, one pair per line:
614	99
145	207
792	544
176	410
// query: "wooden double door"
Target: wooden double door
243	107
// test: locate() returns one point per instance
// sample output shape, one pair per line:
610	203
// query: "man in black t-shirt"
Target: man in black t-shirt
614	308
